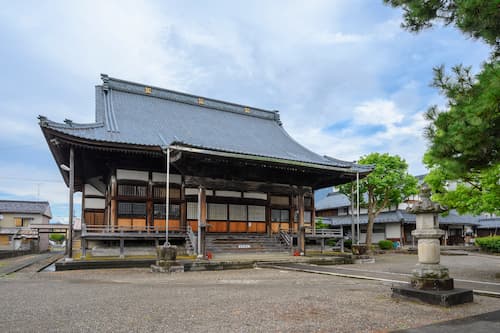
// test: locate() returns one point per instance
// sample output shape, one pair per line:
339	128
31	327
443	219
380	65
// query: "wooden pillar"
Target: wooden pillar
313	213
71	192
114	207
268	216
302	238
202	220
149	204
183	207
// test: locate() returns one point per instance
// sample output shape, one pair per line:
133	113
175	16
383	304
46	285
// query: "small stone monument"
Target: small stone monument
430	281
166	260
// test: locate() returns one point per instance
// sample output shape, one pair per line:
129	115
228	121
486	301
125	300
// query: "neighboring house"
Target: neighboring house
488	226
234	163
393	223
16	218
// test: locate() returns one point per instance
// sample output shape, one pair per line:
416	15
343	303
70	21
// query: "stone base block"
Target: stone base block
437	297
430	271
431	284
167	269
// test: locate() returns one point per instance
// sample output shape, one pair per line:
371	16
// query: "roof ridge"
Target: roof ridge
182	97
68	123
24	201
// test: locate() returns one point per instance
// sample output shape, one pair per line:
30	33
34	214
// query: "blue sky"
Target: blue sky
345	77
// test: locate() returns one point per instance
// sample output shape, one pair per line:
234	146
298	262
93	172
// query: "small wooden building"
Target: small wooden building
233	168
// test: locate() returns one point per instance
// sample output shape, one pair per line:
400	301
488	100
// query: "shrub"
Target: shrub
490	244
57	237
348	243
385	244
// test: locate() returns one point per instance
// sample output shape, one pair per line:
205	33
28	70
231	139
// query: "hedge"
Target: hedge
490	244
385	244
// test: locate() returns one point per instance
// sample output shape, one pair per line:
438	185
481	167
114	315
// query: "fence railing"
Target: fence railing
88	229
333	233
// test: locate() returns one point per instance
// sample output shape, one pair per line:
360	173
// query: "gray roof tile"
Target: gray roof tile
126	114
25	207
333	200
401	216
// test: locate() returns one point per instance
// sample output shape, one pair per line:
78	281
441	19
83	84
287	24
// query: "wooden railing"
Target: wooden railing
326	233
86	229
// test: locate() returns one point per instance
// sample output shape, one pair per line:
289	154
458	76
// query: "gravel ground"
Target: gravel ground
253	300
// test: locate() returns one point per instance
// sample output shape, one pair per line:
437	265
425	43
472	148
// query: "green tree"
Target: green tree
389	184
464	141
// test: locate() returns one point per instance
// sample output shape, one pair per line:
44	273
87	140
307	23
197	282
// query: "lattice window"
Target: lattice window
127	190
135	209
280	200
160	191
257	213
237	212
280	215
174	211
217	212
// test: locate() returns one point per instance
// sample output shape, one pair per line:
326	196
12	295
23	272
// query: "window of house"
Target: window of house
174	211
132	209
280	200
160	191
217	211
256	213
307	216
192	210
280	215
237	212
128	190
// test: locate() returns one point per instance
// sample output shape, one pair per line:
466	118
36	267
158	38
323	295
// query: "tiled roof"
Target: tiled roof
489	223
333	200
25	207
133	113
400	215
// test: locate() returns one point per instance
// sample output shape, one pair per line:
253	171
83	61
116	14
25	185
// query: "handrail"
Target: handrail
286	238
192	238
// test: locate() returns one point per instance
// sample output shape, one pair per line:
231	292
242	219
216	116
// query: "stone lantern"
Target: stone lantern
430	281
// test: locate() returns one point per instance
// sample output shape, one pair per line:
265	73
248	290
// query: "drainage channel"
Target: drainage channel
317	270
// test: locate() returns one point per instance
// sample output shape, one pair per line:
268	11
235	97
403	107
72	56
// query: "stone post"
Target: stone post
430	281
429	273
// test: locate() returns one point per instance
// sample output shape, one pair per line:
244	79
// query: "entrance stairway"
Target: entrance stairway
243	243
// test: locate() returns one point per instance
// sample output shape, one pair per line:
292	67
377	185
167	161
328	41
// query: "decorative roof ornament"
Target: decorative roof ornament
426	205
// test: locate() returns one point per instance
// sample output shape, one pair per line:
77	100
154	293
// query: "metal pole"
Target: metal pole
199	221
357	205
71	192
167	198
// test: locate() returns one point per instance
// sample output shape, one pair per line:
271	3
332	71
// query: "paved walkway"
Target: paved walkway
477	272
483	323
11	265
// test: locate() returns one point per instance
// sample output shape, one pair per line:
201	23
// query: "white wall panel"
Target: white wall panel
162	178
94	203
132	175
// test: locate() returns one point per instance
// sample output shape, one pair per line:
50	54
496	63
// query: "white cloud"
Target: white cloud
377	112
